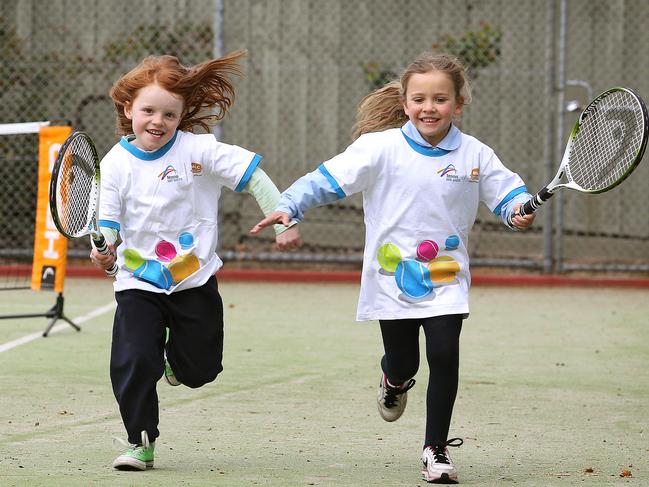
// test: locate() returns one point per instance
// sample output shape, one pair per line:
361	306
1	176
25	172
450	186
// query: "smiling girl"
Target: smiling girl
160	192
422	180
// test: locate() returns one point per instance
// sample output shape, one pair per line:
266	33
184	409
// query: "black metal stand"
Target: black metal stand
55	313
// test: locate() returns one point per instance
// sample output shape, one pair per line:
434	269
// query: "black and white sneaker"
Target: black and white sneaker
391	399
438	466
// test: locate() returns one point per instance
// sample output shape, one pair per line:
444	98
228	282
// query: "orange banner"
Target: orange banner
50	247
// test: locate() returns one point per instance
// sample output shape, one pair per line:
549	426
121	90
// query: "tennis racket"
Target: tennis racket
74	192
605	146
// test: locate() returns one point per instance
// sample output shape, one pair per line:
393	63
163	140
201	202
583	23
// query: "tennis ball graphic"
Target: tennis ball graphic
165	251
183	266
413	279
389	257
132	259
427	250
154	273
186	240
452	242
443	269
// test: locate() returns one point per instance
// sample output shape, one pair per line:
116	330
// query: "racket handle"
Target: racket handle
530	206
100	244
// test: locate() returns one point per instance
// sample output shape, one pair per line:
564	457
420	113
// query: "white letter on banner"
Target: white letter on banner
50	252
54	152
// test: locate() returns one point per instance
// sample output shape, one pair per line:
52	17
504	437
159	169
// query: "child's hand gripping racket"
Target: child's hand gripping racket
605	146
74	192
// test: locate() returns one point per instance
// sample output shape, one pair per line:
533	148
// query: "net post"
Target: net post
49	253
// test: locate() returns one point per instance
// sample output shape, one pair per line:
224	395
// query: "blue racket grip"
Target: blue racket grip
100	244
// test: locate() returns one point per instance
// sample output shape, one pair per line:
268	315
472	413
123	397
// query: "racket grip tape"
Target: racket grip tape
535	203
100	244
530	206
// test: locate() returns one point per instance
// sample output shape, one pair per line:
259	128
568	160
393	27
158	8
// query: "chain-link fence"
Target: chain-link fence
309	63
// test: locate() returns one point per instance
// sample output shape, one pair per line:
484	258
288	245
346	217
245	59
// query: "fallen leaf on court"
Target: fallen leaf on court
626	473
589	470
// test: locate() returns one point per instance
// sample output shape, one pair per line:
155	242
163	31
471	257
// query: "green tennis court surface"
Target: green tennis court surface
553	391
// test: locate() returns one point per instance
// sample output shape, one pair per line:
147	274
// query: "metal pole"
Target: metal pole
559	142
548	151
217	52
217	47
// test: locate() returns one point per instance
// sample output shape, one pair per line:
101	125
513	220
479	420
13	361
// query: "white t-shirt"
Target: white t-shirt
420	204
165	206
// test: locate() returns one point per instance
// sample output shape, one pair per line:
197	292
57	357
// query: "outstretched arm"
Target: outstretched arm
267	195
311	190
276	217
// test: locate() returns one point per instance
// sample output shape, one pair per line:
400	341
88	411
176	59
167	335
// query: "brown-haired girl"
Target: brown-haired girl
422	180
160	191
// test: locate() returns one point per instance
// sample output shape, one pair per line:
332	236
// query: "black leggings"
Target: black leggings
401	362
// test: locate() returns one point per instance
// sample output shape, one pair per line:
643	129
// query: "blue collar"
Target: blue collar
125	142
450	142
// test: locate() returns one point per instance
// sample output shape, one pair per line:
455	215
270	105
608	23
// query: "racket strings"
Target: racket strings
608	142
77	188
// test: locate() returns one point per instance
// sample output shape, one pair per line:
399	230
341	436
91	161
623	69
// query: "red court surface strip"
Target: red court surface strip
477	279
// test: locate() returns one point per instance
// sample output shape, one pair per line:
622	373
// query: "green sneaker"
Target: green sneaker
169	376
137	457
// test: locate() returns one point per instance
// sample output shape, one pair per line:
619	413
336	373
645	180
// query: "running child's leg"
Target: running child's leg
195	346
399	365
136	361
401	344
443	354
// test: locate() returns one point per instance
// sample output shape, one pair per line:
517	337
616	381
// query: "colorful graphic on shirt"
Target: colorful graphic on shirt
413	279
443	269
389	257
427	250
183	266
155	272
452	242
132	259
147	270
186	240
418	278
165	251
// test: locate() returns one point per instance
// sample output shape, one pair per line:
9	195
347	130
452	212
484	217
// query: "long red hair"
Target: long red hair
206	88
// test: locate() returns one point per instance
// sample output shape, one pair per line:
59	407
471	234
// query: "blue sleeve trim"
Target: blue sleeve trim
248	174
311	190
513	193
108	224
334	184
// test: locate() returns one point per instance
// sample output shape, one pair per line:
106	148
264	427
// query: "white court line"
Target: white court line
56	328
